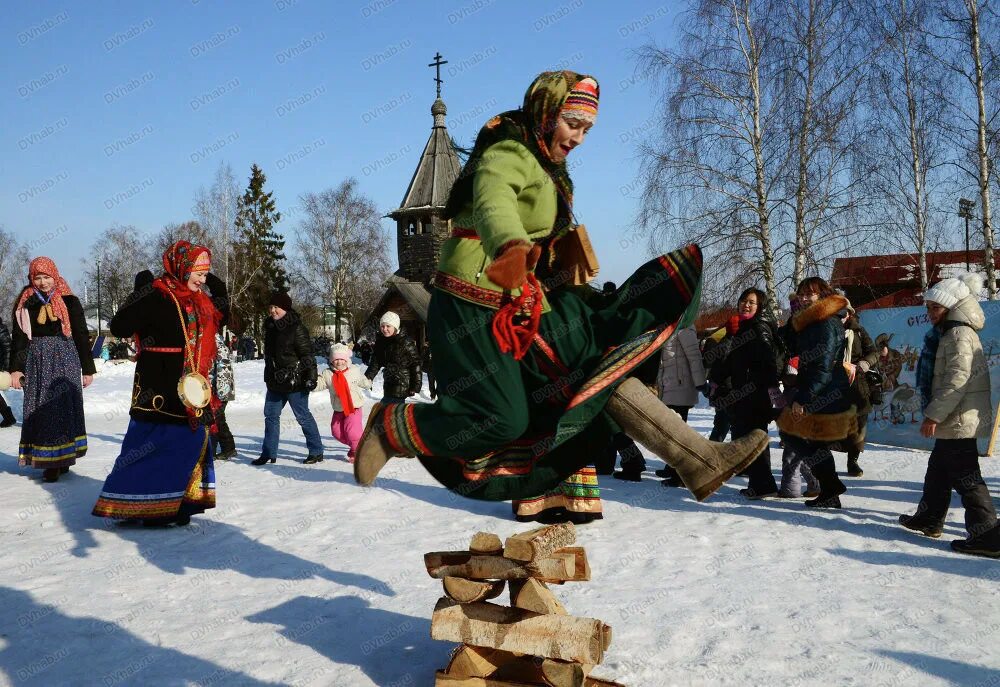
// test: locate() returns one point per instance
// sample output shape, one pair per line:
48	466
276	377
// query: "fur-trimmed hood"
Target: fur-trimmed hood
823	309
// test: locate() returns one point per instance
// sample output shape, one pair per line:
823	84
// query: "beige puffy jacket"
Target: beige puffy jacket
960	393
357	382
681	369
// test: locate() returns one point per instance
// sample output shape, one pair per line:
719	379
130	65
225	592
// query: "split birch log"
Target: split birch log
476	661
486	543
538	543
563	674
581	566
556	568
598	682
564	637
442	679
468	591
533	595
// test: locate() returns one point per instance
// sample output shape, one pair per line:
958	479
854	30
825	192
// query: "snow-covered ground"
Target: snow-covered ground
300	577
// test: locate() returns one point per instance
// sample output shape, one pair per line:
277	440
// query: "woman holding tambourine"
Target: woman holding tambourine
165	473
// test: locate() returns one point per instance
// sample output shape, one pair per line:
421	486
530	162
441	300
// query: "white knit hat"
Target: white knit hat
340	352
390	318
948	292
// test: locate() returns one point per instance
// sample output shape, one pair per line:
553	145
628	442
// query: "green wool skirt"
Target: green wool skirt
506	429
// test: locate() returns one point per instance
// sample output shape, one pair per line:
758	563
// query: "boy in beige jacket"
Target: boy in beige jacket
954	381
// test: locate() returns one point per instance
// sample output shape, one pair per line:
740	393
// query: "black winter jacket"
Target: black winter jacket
5	345
749	368
822	381
398	355
289	363
863	349
152	316
78	330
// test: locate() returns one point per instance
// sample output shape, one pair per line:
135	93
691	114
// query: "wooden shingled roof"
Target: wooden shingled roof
437	170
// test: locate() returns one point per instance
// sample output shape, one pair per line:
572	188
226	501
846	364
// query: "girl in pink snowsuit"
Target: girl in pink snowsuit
346	383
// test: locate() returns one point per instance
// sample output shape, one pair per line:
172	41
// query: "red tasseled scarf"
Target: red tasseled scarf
343	389
516	337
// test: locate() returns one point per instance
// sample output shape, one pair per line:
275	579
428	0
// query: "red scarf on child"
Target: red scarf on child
343	390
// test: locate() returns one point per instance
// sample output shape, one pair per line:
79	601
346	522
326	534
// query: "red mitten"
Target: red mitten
512	264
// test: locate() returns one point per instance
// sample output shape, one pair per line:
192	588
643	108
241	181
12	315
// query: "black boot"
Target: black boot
51	474
926	526
262	460
853	469
986	544
313	459
830	486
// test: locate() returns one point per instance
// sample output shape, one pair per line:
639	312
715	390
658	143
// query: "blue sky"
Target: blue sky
119	112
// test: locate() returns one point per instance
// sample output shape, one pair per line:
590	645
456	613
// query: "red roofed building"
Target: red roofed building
889	281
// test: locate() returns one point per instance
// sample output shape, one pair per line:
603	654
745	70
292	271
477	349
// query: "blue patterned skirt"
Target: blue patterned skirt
53	434
163	471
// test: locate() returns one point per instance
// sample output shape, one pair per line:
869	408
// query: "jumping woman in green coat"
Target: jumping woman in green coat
532	379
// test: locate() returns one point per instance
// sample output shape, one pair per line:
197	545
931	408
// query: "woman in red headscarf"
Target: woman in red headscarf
49	351
165	473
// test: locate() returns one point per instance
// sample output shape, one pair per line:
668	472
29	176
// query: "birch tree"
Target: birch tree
711	174
969	37
14	259
344	253
823	64
905	149
216	208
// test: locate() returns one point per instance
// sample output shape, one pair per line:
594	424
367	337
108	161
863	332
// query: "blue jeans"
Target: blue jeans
274	402
393	399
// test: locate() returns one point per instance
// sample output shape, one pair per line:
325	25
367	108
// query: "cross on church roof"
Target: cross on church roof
437	65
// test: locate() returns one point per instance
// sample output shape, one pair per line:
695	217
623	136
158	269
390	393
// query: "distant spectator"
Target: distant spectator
396	355
954	383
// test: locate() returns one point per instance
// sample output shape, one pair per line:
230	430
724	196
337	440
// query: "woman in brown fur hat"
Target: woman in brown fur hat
821	412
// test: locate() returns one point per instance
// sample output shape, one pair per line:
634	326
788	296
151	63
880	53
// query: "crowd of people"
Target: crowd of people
541	380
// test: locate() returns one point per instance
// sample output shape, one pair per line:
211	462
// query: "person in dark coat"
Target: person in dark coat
290	374
165	472
5	412
860	356
821	411
713	350
396	355
750	367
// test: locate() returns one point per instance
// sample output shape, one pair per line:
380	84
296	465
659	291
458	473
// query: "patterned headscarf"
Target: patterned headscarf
200	317
52	303
532	126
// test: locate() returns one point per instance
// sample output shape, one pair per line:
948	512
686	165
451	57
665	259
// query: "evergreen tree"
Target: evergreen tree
258	267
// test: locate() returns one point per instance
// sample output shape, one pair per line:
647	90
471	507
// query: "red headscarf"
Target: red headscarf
42	265
201	318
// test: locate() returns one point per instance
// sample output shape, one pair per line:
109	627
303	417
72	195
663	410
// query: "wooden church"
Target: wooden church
420	229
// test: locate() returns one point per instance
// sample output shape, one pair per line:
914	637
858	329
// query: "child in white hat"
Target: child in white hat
346	384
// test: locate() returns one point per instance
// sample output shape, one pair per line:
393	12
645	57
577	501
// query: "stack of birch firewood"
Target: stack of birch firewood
533	642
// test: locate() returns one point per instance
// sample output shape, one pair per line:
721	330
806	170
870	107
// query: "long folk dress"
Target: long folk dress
506	428
53	433
165	469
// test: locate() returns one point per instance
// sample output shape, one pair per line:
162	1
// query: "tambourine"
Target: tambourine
325	380
194	390
4	380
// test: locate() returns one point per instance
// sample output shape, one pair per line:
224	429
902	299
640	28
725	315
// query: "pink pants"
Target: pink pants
347	430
